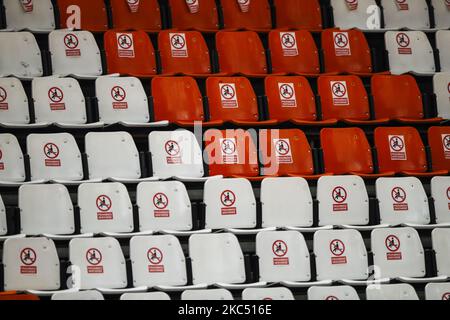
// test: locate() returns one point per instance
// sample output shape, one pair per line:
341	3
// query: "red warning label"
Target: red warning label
393	245
339	93
51	152
3	102
133	5
446	296
28	258
155	256
173	151
244	5
27	5
403	42
339	195
228	95
352	4
448	197
289	44
447	3
178	45
446	145
71	42
283	151
287	95
402	4
228	199
125	45
229	151
56	97
104	205
397	148
161	202
119	95
280	250
399	197
94	258
337	249
2	165
341	44
193	6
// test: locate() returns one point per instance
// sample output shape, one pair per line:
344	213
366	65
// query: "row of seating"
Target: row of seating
211	15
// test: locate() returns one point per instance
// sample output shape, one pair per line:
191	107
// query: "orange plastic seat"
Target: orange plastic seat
398	97
130	53
14	296
439	142
142	15
241	53
201	16
93	14
184	53
252	15
347	151
400	149
293	52
291	99
294	14
232	99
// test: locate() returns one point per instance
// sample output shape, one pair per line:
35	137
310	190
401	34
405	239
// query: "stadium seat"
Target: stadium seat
406	14
441	14
12	167
254	15
441	86
231	153
184	53
440	192
16	296
441	248
20	55
409	51
88	295
241	53
437	291
13	103
145	296
362	14
442	45
391	292
36	16
332	293
293	52
292	99
3	223
232	99
201	15
136	15
292	14
267	294
130	53
211	294
347	151
439	142
401	150
346	51
75	53
92	15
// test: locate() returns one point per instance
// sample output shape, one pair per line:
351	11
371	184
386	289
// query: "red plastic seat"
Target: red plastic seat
292	99
293	52
232	99
400	149
295	14
184	53
143	15
252	15
439	142
202	17
232	154
93	14
347	151
241	53
15	296
398	97
130	53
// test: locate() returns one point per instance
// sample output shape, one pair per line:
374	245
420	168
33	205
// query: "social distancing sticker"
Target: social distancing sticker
28	259
119	95
404	43
71	42
104	206
289	44
228	200
392	243
125	45
173	151
229	152
178	45
446	145
351	4
398	195
56	96
133	5
280	250
287	95
339	195
155	257
27	5
283	151
337	249
339	92
3	99
94	260
161	204
51	152
397	147
341	44
402	4
193	6
228	95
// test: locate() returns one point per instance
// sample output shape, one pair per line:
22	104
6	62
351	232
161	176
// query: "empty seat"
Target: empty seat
441	14
409	51
440	192
361	14
211	294
406	14
332	293
401	150
36	16
293	14
12	167
254	15
145	296
136	15
442	44
437	291
16	296
441	247
13	103
3	221
391	292
75	53
88	295
130	53
267	294
20	55
241	53
441	86
198	15
439	142
83	14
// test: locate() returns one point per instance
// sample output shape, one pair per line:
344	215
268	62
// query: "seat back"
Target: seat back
356	14
12	167
441	16
293	14
35	16
440	192
15	296
199	15
3	221
140	15
439	142
78	296
442	44
391	292
441	247
93	14
332	293
437	291
267	294
13	102
211	294
254	15
400	14
441	85
153	296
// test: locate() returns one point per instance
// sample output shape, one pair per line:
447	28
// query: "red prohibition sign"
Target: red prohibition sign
397	143
448	86
191	2
28	256
286	91
398	194
55	94
288	40
351	1
71	41
26	2
282	147
279	248
329	298
228	198
337	247
339	194
172	148
243	1
341	40
447	2
125	41
392	243
448	191
177	41
160	200
403	39
154	255
447	142
228	146
339	89
51	150
94	256
132	1
103	202
227	92
446	296
1	154
118	93
3	94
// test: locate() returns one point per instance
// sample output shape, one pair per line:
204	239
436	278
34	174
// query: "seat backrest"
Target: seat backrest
361	14
74	52
136	15
199	15
391	292
437	291
293	14
346	51
3	221
402	200
186	105
13	102
230	203
343	200
439	142
282	256
343	97
54	156
441	247
241	52
183	52
20	55
400	14
441	85
93	15
78	295
35	16
15	296
12	167
254	15
216	258
211	294
30	264
175	154
164	205
400	149
129	53
345	151
442	44
332	293
104	207
152	296
157	260
100	261
267	294
105	162
398	252
441	15
440	192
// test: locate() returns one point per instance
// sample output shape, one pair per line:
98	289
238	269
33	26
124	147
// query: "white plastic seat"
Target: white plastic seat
441	247
391	292
408	14
217	259
441	90
443	45
20	55
3	222
145	296
212	294
440	194
267	294
441	14
409	51
403	201
39	16
437	291
12	167
332	293
347	16
13	103
75	53
79	295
